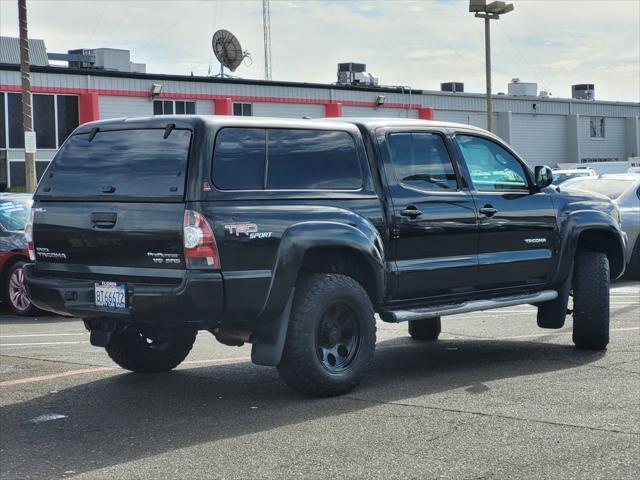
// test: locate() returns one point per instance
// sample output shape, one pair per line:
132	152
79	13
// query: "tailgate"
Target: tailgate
135	235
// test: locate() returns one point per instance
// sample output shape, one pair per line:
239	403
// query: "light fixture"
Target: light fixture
380	100
156	89
488	12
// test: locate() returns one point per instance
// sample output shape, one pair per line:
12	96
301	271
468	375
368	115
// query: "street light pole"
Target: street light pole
487	61
489	12
27	112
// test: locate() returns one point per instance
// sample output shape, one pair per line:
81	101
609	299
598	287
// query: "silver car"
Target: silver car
624	190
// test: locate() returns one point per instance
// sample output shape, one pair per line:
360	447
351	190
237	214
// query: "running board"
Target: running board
396	316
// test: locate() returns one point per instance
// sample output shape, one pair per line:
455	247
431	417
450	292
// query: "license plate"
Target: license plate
111	295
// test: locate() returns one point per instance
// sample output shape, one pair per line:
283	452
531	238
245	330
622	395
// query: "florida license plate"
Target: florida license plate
111	295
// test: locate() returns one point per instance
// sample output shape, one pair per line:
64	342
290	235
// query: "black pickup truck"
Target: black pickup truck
293	234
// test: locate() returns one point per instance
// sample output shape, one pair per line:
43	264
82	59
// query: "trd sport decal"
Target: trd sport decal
246	229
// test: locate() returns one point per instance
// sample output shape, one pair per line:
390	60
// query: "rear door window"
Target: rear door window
118	164
421	160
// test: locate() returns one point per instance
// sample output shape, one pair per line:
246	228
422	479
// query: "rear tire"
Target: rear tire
427	329
331	337
140	353
15	293
591	301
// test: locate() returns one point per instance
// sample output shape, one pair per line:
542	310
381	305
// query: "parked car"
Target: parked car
14	213
292	234
561	176
624	190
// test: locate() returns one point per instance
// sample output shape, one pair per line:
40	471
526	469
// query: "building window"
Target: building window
242	109
54	118
170	107
596	127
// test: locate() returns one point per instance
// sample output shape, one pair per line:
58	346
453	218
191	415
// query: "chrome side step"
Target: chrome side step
396	316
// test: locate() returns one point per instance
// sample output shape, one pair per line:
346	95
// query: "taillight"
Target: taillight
200	249
28	234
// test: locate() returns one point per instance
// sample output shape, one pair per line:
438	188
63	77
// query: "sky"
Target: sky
418	44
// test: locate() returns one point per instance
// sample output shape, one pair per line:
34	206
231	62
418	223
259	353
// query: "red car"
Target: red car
14	213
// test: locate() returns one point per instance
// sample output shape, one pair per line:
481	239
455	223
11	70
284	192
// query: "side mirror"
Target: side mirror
544	176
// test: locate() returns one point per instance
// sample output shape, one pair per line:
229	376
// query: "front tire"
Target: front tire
591	301
161	351
15	293
331	337
427	329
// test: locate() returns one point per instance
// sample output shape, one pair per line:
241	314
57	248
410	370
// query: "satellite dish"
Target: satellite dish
227	50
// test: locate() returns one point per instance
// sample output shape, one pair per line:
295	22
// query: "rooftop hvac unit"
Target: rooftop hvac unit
355	74
583	91
518	88
452	87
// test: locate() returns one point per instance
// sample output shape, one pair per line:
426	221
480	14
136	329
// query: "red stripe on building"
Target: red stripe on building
216	98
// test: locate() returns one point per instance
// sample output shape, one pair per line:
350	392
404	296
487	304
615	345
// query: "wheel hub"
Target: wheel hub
338	337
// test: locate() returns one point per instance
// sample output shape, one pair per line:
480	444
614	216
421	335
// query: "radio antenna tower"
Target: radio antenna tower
266	28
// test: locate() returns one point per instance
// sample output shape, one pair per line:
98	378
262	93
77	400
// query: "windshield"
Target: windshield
559	177
610	187
14	214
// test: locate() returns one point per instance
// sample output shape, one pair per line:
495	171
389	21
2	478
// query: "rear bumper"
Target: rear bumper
197	299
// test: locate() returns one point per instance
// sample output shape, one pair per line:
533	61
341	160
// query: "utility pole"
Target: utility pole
27	112
266	29
489	12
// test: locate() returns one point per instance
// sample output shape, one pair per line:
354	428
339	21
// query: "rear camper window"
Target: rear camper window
285	159
120	164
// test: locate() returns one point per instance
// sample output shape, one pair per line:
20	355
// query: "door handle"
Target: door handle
411	212
488	210
103	219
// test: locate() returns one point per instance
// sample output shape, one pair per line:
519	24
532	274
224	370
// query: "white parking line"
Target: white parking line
22	335
40	344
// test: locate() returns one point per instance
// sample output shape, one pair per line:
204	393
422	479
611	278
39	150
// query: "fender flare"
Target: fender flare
579	222
273	321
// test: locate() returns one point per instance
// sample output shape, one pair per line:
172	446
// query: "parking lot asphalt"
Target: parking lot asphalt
496	397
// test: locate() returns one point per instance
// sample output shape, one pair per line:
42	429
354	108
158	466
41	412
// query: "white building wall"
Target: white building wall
379	112
611	146
115	107
287	110
467	118
540	139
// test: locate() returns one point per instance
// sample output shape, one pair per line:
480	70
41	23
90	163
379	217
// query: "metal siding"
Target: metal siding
467	118
612	146
115	107
287	110
378	112
540	139
10	51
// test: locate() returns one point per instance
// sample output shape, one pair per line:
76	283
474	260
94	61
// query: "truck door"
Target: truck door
434	237
518	235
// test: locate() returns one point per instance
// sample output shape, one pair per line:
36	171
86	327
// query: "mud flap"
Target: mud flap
271	336
553	314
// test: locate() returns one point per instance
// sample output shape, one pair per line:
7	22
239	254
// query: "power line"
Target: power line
523	60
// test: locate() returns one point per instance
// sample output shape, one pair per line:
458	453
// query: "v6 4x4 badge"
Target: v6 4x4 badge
246	229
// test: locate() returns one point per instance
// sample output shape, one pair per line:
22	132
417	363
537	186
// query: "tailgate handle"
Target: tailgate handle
103	219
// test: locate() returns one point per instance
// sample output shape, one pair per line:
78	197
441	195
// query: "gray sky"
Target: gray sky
412	43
